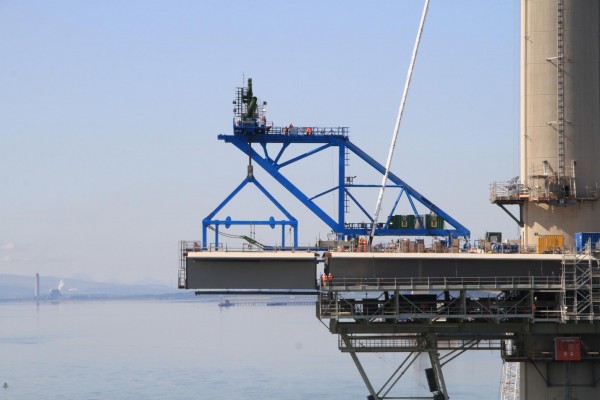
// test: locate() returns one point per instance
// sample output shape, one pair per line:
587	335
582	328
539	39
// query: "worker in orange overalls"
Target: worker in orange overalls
323	279
362	245
330	278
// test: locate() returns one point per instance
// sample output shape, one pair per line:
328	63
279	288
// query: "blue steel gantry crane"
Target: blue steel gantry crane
250	127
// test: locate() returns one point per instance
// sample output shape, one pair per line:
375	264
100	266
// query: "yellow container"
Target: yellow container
550	244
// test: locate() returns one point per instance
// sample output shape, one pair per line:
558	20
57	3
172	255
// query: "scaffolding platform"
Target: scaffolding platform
442	305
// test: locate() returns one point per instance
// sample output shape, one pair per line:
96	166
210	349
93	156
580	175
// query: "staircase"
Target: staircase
581	286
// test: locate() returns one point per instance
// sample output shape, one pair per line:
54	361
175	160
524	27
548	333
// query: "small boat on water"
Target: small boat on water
225	303
277	303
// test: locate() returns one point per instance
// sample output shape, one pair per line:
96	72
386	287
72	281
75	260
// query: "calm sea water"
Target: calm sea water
197	350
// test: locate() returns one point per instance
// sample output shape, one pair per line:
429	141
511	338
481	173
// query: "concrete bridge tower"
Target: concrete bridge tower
560	118
560	159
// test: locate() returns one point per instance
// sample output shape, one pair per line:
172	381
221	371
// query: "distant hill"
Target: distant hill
18	287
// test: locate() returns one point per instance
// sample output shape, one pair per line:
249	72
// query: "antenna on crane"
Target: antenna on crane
398	119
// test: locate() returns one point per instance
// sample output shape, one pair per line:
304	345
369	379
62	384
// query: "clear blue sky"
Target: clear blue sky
110	110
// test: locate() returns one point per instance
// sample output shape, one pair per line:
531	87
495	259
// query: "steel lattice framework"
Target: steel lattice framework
254	131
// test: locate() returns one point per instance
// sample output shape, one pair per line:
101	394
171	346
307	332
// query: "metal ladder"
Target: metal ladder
581	286
560	83
568	282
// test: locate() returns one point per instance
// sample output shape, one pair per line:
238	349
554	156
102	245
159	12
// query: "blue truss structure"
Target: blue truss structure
227	222
250	128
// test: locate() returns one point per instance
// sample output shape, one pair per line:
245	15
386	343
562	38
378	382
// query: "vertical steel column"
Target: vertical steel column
216	236
568	383
341	186
295	228
204	239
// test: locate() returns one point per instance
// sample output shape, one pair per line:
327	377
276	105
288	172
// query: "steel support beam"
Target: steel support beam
338	223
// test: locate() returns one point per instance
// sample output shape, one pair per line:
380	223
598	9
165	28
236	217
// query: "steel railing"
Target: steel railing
443	283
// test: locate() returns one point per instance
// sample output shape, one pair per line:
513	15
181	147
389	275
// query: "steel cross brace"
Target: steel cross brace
273	166
208	221
428	345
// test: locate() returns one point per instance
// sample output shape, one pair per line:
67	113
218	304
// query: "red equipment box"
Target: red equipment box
567	349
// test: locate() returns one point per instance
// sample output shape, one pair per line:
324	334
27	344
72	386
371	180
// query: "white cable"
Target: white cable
398	119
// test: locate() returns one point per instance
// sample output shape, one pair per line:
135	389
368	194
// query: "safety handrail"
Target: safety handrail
412	283
196	246
308	130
